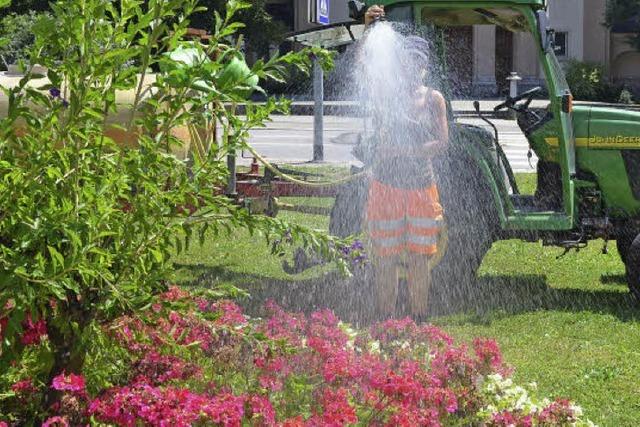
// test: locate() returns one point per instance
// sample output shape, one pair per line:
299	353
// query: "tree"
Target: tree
260	30
25	6
88	226
624	16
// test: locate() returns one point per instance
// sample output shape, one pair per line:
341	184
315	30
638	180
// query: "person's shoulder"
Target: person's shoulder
436	96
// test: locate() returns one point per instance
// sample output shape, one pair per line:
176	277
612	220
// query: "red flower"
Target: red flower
24	387
435	335
33	331
3	327
174	294
393	329
156	369
56	422
226	409
337	410
509	419
489	354
74	383
261	407
293	422
559	412
230	313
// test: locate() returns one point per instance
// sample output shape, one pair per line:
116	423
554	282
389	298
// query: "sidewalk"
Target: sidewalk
462	107
289	139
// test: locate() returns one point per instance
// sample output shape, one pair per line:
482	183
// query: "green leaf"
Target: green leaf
56	257
157	255
58	291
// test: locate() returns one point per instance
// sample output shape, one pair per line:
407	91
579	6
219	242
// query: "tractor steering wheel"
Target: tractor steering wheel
511	102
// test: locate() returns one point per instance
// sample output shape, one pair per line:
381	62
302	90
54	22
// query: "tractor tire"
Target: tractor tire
633	267
347	213
624	242
471	224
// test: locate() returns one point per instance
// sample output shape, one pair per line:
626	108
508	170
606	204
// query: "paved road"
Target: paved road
289	139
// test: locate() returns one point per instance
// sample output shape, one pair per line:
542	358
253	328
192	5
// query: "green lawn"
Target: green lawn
568	324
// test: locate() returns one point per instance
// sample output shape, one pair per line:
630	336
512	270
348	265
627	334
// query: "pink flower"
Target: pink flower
488	353
270	382
393	329
24	387
509	419
56	422
33	331
261	407
143	404
558	412
3	424
174	294
3	327
435	335
294	422
157	369
282	325
337	410
230	313
226	409
74	383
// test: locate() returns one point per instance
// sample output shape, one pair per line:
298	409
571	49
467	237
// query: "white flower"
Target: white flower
577	410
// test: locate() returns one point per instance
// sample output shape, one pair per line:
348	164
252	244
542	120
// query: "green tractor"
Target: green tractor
588	181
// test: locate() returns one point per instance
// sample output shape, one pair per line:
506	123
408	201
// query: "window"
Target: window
561	43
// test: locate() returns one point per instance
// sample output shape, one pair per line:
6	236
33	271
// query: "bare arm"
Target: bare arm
441	126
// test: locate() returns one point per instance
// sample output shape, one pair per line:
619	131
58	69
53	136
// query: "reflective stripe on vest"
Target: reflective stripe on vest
399	240
425	222
422	240
387	225
389	242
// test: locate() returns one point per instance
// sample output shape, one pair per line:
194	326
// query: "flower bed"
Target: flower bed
192	361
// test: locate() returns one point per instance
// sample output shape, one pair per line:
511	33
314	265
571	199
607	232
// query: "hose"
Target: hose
290	178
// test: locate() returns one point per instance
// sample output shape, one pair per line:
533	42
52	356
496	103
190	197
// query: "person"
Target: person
403	214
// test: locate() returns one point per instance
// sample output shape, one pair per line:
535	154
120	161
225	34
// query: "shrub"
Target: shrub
626	97
587	82
17	31
201	362
86	225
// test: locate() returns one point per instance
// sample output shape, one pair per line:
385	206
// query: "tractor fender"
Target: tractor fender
472	154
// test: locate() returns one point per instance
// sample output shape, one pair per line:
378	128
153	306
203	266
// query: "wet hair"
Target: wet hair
418	50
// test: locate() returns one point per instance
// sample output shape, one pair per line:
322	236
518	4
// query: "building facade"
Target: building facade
580	35
482	57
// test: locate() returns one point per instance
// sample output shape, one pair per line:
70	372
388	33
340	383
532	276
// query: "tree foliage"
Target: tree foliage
17	31
625	13
87	226
20	7
260	29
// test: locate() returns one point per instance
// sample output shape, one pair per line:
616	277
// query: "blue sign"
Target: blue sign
322	11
